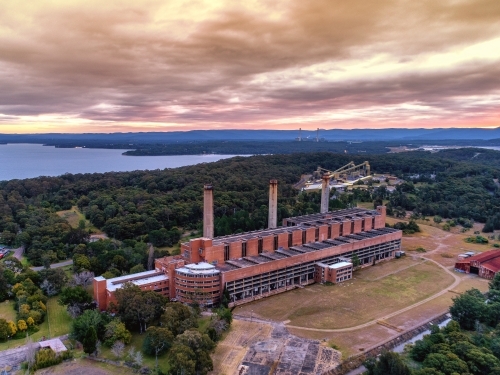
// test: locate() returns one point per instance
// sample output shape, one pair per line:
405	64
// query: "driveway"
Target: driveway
55	265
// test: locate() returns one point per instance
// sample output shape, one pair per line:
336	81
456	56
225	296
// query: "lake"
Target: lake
33	160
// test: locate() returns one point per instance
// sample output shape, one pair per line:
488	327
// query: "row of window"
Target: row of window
197	282
197	275
379	251
198	287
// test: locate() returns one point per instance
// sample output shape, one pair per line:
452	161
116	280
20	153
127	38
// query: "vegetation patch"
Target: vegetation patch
476	239
73	216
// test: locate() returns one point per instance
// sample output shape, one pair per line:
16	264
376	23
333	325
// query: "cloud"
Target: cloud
198	64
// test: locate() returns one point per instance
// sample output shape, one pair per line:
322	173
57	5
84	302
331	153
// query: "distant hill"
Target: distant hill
60	139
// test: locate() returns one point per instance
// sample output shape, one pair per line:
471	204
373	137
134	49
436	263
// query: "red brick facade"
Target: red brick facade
256	264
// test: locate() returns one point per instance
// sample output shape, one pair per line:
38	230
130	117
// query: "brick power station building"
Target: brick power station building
249	266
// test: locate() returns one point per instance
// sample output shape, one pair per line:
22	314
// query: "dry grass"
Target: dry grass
349	343
7	311
57	323
231	351
439	305
437	243
441	246
383	269
73	218
399	283
85	367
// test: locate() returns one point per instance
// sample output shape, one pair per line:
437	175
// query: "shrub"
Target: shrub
477	239
47	357
408	228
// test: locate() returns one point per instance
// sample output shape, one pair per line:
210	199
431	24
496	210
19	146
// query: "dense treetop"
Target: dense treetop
154	205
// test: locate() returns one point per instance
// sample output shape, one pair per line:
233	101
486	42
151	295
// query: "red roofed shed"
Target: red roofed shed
485	265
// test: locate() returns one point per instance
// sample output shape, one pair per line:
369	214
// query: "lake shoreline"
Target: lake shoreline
28	160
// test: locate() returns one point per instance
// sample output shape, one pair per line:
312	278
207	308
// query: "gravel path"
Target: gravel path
18	253
55	265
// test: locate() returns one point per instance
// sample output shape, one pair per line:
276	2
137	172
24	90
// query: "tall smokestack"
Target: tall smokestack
273	204
325	193
208	212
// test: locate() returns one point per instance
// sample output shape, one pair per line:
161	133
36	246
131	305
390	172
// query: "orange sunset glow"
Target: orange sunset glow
78	66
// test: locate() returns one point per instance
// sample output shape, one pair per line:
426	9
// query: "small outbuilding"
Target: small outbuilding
56	345
486	264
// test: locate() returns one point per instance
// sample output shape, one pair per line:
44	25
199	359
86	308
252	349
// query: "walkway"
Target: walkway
55	265
18	253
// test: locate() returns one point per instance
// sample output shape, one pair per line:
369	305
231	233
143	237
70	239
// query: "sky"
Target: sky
78	66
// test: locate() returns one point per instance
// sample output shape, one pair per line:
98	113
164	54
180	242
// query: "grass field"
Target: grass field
57	323
25	262
352	342
437	243
74	216
373	292
7	310
81	366
58	319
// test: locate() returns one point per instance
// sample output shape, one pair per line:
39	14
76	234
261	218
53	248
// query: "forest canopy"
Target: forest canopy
155	206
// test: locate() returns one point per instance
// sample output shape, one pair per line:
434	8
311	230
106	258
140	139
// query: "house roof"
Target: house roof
486	256
492	265
55	344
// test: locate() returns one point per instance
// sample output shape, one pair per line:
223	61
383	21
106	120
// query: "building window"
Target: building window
329	231
290	240
243	249
275	242
304	233
352	226
226	252
316	234
260	246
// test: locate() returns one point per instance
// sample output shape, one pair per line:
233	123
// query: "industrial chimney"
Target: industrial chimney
208	212
325	193
273	204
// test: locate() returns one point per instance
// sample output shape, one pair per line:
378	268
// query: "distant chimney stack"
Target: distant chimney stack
273	204
325	193
208	212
